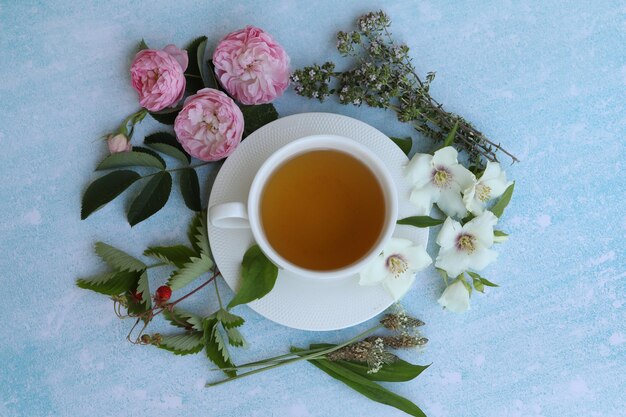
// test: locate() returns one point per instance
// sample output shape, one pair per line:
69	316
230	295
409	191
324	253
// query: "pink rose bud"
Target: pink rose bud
118	143
251	66
158	77
210	125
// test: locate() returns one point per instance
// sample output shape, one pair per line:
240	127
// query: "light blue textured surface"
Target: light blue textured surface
547	79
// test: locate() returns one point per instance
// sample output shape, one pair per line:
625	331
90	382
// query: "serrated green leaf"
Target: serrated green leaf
151	199
499	233
235	338
190	189
257	116
129	159
505	198
177	255
149	152
258	276
142	45
215	348
191	271
113	283
143	287
405	144
450	138
118	259
228	319
420	221
166	116
105	189
368	388
182	344
398	371
183	319
165	138
198	236
192	230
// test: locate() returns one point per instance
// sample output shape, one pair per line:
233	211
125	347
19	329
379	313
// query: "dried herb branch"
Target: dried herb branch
383	76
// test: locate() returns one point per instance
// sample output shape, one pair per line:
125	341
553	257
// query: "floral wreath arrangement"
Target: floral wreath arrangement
213	103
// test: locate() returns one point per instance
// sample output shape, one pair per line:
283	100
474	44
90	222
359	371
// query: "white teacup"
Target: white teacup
238	215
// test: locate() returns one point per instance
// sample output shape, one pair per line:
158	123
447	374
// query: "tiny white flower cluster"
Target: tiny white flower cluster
440	179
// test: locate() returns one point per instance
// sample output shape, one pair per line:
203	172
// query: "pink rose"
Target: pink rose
118	143
251	66
210	125
158	76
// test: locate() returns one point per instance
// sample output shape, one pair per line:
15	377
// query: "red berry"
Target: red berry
163	293
137	296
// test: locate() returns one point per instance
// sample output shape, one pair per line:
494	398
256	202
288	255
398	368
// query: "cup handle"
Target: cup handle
229	216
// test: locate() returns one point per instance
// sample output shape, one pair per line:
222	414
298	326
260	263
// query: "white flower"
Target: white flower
395	268
491	185
466	247
439	178
118	143
455	298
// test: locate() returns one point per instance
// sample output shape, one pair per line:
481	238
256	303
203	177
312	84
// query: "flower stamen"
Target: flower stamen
441	177
397	265
466	242
483	192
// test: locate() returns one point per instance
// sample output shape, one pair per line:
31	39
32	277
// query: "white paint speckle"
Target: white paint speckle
578	387
605	257
618	303
32	217
479	360
451	378
617	339
428	12
298	410
543	221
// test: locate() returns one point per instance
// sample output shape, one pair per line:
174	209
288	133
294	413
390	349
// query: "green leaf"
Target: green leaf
499	233
112	283
257	116
235	338
505	198
177	255
478	285
142	45
130	159
450	138
190	188
167	116
258	275
403	143
193	75
197	234
215	347
118	259
465	284
143	287
151	199
189	272
228	320
105	189
149	152
484	281
182	344
164	142
398	371
183	319
368	388
420	221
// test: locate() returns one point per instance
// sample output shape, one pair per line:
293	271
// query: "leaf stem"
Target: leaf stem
173	303
217	292
299	358
177	169
155	265
268	360
192	75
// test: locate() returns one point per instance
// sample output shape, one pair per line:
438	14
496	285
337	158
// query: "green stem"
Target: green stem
298	359
192	76
177	169
268	360
155	265
217	292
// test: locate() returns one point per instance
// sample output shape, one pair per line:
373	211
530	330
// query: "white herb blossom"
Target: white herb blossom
455	298
396	266
439	178
489	186
466	247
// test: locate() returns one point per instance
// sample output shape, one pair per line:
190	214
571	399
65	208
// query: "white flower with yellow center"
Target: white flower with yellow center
396	266
455	298
466	247
439	178
489	186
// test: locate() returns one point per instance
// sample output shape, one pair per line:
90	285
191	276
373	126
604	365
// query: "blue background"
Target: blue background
547	79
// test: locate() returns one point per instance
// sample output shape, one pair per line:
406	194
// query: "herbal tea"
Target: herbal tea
323	210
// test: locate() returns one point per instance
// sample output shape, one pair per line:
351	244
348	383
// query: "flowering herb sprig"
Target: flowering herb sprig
384	76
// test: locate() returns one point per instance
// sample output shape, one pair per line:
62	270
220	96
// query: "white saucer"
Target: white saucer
296	301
